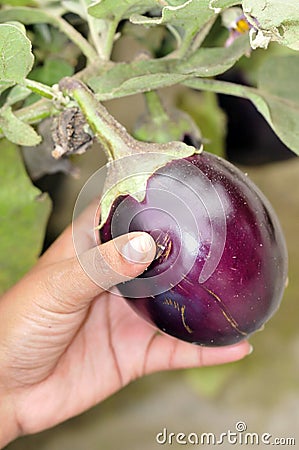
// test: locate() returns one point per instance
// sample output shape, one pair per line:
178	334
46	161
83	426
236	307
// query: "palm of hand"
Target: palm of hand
111	347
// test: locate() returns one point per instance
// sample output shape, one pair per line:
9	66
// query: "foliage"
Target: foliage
24	214
42	41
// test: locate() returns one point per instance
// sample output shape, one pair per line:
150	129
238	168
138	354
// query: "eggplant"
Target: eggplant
221	263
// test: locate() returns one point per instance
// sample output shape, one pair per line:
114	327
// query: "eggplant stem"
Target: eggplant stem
115	139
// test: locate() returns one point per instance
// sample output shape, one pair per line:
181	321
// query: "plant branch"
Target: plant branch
38	111
236	90
44	108
102	33
113	136
193	39
202	34
39	88
93	31
155	106
175	34
219	87
109	41
78	39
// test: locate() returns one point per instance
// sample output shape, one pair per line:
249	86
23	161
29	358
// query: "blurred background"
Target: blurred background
263	389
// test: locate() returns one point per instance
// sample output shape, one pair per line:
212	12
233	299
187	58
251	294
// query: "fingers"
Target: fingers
166	353
69	286
73	283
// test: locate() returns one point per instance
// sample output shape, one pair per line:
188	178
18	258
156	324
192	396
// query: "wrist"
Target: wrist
9	429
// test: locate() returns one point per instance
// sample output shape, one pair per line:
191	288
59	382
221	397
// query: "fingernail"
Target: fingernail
139	249
250	350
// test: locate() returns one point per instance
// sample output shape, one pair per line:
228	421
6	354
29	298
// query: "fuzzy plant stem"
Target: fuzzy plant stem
155	106
116	141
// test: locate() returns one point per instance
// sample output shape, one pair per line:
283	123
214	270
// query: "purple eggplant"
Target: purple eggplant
221	263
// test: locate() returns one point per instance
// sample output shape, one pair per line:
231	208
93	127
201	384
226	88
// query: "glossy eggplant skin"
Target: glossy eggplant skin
221	263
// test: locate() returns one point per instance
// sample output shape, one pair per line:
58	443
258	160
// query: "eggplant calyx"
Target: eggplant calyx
130	162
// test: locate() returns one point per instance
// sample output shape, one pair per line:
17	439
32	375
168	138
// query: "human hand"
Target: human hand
66	343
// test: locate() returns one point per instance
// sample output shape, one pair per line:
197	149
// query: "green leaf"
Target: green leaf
279	76
188	17
276	20
278	87
27	15
18	25
131	78
188	14
219	5
104	17
276	97
17	94
15	130
207	62
16	58
5	85
23	217
137	76
115	10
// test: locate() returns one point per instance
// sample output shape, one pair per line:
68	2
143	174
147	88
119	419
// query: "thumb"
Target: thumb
79	279
43	311
69	285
